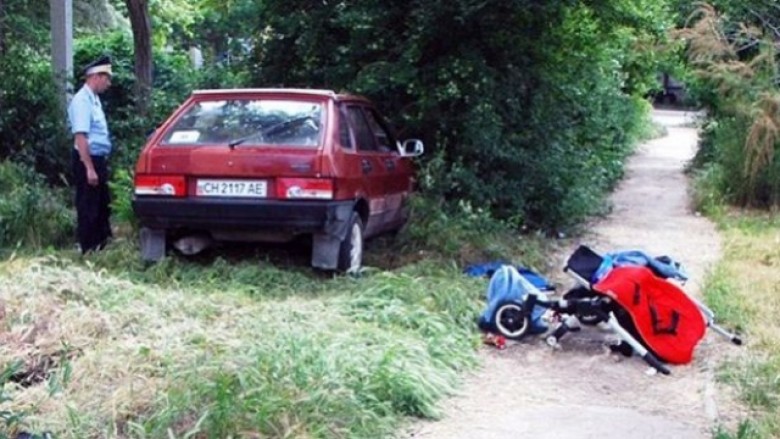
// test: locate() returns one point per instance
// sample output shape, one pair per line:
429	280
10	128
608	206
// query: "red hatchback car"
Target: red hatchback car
267	165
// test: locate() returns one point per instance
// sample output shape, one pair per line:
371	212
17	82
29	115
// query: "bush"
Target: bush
31	213
32	117
462	233
531	125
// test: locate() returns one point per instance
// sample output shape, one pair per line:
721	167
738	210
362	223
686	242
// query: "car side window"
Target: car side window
363	133
344	137
382	135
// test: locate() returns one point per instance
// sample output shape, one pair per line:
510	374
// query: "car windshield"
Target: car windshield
248	122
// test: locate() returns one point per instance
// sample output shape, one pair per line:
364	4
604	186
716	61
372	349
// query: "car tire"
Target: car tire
351	248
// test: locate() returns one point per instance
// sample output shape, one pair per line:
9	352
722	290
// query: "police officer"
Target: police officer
91	149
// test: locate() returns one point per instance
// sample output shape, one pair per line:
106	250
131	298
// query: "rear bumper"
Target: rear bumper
209	214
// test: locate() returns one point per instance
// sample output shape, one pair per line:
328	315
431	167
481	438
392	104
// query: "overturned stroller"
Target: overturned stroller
651	316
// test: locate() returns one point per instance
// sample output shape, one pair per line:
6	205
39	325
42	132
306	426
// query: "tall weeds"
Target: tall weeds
736	64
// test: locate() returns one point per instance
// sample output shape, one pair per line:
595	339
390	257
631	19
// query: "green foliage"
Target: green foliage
31	114
745	430
25	24
226	32
238	269
31	213
121	186
522	108
458	232
720	295
708	190
396	357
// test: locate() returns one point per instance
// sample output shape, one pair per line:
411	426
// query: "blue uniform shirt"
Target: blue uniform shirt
86	116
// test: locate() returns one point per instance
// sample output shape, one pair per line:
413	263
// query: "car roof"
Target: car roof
289	91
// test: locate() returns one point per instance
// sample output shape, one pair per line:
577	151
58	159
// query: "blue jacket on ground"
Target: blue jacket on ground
663	266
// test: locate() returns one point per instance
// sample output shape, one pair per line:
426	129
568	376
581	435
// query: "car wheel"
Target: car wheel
351	248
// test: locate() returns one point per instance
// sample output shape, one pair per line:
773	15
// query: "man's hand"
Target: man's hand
92	177
80	139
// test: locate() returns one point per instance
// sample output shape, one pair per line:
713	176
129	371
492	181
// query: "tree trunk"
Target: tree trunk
142	40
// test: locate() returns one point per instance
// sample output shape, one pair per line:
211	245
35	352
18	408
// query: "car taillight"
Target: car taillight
165	185
311	188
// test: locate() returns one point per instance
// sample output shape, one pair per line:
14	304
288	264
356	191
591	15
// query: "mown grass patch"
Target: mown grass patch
229	349
744	290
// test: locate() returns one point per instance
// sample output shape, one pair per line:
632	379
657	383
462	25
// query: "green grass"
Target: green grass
244	341
744	291
230	346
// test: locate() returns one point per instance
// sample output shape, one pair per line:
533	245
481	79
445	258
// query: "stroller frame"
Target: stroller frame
513	319
584	262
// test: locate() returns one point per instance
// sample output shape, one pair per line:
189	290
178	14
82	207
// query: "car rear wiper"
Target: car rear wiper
269	129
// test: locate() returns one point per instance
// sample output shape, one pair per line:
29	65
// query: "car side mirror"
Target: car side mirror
411	148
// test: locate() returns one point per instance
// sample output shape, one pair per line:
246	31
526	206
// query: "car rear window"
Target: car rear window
248	122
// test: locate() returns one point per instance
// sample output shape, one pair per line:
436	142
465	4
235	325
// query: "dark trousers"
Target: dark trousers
92	204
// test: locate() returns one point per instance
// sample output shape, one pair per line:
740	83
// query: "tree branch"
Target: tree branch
765	23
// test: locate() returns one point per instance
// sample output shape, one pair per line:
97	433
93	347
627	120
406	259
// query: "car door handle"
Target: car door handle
390	164
367	168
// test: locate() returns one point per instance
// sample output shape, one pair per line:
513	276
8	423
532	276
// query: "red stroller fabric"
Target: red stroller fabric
668	322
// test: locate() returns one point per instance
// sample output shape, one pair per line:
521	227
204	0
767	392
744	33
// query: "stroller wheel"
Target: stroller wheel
511	321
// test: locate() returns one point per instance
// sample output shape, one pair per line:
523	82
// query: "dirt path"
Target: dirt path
582	391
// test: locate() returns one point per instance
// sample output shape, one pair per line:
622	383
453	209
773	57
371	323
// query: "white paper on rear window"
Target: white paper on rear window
184	136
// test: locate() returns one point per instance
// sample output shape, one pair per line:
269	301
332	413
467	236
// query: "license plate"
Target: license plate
231	188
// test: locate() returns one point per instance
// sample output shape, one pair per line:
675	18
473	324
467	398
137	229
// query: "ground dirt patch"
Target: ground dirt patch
583	391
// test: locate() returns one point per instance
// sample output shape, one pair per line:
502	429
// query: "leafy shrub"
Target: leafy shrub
121	186
530	125
32	213
455	232
32	117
